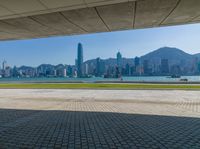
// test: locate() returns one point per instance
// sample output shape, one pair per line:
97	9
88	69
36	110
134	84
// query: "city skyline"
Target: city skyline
164	61
79	59
131	43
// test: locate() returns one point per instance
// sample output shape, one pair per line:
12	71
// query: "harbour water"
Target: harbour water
96	79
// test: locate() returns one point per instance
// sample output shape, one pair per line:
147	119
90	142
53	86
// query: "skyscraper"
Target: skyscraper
4	64
137	61
70	71
164	66
64	72
146	66
119	59
86	69
137	69
80	60
98	67
127	70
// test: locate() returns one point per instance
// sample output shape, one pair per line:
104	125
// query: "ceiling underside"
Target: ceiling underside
24	19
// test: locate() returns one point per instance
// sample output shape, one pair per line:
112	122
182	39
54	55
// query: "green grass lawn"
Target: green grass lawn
97	86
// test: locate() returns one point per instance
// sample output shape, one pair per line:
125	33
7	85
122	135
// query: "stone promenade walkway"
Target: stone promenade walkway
80	120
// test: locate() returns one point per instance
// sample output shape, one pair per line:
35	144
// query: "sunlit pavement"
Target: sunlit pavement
99	119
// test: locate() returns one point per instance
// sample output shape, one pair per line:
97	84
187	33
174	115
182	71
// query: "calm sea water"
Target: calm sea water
140	78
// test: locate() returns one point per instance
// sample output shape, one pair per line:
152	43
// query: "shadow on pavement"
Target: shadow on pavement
70	129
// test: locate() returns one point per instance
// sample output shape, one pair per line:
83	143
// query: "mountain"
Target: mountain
174	56
25	68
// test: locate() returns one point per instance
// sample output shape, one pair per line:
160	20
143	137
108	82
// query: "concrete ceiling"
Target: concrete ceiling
22	19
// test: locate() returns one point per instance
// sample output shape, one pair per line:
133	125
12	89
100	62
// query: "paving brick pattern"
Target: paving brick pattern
99	124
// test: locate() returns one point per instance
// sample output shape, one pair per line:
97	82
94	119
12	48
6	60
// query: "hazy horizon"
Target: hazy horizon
131	43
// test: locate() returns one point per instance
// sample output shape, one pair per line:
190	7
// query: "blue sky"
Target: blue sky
130	43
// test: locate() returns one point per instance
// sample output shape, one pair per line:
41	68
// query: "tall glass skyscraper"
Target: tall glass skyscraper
80	60
119	59
4	65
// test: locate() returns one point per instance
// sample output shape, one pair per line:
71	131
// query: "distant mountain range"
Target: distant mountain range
174	56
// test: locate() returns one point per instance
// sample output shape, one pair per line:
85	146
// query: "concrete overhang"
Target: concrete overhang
23	19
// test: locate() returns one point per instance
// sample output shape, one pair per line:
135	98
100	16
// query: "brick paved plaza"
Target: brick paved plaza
76	119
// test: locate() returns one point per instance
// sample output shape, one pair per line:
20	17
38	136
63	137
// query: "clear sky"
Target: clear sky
130	43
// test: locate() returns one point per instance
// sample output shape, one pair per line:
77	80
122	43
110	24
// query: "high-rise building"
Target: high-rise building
164	66
91	68
86	69
98	67
175	69
15	72
127	70
70	71
137	61
80	60
64	72
4	65
119	59
7	71
117	72
55	73
137	68
146	67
